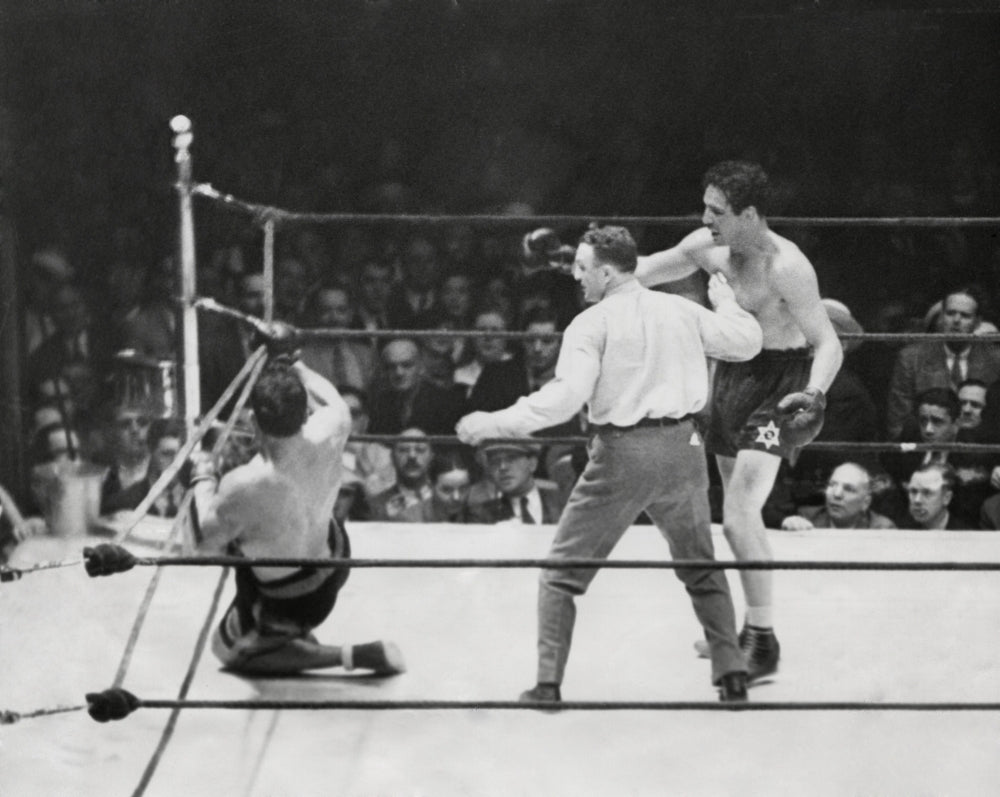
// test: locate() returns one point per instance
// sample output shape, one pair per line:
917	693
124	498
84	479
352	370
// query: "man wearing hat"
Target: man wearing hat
511	493
637	359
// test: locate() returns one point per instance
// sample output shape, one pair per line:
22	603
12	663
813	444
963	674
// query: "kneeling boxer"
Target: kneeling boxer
280	504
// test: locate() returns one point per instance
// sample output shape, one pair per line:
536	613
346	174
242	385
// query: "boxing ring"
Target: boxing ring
889	683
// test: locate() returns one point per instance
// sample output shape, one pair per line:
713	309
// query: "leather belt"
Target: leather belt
643	423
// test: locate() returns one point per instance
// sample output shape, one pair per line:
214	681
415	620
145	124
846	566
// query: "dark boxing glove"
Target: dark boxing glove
801	416
539	247
281	339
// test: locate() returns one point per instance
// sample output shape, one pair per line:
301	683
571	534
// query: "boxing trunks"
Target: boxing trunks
291	605
745	395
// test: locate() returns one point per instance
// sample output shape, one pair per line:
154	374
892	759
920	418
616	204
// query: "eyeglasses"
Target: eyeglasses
127	423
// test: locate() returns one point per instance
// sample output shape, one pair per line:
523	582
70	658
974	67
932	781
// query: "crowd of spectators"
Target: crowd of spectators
95	384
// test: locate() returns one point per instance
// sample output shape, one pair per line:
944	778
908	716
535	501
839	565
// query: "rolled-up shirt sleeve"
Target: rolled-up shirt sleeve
730	333
559	399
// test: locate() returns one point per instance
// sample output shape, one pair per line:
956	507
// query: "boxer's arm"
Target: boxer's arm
676	262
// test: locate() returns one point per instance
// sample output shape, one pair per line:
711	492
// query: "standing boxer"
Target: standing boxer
765	409
638	359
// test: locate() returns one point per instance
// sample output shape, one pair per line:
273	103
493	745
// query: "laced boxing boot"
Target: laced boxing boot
762	650
382	658
733	687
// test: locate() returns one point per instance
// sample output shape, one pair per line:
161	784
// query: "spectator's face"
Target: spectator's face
130	434
401	360
541	353
929	497
960	314
411	458
451	489
511	471
333	309
848	495
374	285
973	401
490	350
936	425
251	296
456	296
164	453
291	281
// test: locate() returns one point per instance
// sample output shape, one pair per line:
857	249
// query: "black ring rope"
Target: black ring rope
263	213
544	563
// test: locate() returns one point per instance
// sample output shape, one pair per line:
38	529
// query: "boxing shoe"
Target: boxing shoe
733	687
382	658
543	693
761	648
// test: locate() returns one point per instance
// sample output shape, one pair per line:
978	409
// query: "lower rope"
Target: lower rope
112	700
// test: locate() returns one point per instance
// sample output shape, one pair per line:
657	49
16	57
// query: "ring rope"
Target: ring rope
128	702
109	559
266	213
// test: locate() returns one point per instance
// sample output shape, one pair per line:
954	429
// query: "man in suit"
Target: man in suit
930	491
409	499
511	493
406	398
928	364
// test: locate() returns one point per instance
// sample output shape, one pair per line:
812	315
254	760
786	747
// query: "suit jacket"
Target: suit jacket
433	409
486	505
923	365
400	507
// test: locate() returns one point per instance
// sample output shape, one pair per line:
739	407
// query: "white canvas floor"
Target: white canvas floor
470	635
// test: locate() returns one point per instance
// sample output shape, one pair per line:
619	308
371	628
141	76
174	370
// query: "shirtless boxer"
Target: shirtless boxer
765	409
280	504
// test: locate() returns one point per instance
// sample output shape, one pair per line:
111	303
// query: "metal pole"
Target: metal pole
189	390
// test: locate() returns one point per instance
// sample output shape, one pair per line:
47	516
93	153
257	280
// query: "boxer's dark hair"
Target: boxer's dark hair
614	246
279	400
744	183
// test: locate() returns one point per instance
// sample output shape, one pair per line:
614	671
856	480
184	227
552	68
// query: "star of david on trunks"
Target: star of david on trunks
768	435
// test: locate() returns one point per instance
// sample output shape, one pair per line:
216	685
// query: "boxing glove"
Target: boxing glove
801	416
539	247
281	339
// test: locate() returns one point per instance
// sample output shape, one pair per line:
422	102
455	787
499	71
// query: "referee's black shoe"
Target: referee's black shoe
733	687
543	693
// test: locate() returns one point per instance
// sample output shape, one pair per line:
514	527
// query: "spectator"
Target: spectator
486	351
409	499
14	526
346	362
511	493
292	282
928	364
847	504
972	402
48	271
371	462
414	303
127	481
150	327
375	281
930	490
407	398
451	479
166	436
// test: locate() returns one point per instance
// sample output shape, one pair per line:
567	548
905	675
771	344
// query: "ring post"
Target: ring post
189	391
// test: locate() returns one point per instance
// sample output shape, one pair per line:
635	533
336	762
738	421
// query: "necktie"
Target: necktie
525	514
956	371
505	509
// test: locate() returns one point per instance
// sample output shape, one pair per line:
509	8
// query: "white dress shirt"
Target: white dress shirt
635	354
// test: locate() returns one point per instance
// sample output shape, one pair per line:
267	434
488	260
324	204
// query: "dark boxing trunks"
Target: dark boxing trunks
744	399
293	604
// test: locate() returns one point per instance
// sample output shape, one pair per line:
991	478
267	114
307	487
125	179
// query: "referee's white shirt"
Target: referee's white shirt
635	354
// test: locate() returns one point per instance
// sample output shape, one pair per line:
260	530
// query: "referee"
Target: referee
637	358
